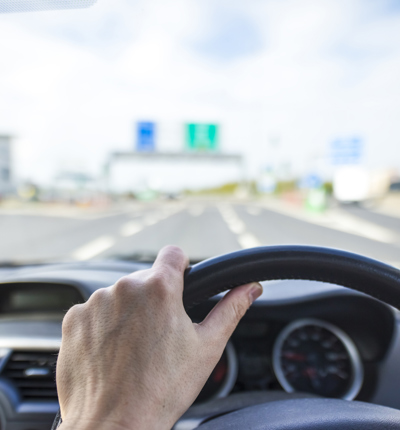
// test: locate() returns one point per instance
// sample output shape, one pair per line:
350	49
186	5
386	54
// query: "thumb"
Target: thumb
225	316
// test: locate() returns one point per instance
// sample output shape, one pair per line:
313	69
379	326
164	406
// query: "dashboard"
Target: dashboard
300	337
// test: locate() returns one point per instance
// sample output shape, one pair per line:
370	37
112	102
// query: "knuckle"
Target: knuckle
239	308
98	296
157	278
71	318
123	286
158	282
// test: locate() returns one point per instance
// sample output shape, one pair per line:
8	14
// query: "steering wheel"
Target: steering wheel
285	411
368	276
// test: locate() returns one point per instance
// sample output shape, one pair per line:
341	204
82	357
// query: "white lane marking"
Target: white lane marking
93	248
352	224
133	227
151	219
79	214
339	220
248	240
195	210
253	210
136	215
130	228
101	244
238	227
105	215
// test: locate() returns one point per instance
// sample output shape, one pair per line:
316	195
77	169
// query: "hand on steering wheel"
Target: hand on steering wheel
131	357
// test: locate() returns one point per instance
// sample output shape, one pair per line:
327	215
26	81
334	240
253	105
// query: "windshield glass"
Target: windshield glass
211	125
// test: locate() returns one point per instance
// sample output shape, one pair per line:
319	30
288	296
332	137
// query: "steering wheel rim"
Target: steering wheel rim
308	414
265	263
376	279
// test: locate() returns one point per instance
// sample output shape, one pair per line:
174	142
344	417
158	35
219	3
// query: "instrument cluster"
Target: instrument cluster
306	355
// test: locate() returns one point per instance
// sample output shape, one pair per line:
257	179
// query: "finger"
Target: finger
171	262
223	319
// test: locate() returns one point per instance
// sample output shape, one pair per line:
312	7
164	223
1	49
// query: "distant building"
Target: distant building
6	174
172	172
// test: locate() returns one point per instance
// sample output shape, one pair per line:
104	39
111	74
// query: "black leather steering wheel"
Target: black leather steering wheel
363	274
372	277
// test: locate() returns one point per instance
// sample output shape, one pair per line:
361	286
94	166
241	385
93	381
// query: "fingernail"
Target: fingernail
255	292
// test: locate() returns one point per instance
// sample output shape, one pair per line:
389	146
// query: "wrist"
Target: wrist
83	424
97	423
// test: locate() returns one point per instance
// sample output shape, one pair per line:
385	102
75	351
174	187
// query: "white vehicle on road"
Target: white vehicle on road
358	184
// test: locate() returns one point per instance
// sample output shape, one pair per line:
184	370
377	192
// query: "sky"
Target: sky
283	78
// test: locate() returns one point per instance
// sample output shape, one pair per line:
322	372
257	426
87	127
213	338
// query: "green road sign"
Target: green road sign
202	137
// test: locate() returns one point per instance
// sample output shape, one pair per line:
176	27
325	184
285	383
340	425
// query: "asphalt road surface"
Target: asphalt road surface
202	228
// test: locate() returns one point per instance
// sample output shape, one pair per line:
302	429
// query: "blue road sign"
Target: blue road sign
312	180
347	151
145	136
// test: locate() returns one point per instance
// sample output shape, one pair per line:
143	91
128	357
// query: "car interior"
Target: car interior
303	340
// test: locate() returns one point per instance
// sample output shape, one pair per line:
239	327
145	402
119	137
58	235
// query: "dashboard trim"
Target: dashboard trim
35	343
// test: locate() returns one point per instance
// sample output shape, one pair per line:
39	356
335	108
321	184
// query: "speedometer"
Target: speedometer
317	357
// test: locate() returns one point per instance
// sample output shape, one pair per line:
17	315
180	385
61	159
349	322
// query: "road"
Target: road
201	228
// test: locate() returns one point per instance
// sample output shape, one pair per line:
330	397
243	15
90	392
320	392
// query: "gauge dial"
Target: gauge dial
317	357
222	378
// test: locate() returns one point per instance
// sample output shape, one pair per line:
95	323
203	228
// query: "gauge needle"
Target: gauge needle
310	372
294	356
313	377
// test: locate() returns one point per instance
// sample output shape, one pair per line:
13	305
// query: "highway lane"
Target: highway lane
201	228
378	218
49	237
198	229
275	228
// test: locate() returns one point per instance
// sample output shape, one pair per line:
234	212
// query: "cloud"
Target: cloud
230	34
73	82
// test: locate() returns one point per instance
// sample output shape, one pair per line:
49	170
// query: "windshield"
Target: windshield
211	125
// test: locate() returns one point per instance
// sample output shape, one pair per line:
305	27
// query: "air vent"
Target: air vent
33	373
